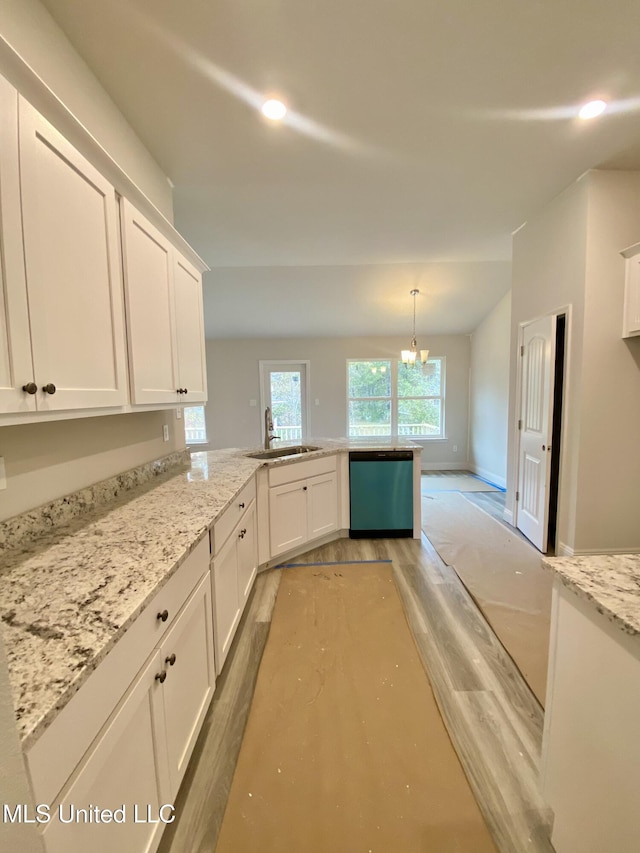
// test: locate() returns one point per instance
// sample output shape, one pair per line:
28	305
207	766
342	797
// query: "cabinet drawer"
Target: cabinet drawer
53	756
231	516
280	474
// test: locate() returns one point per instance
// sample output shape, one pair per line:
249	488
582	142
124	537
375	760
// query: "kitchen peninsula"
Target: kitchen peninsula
591	750
109	593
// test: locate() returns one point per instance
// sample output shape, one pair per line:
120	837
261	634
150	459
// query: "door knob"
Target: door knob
170	660
49	389
163	616
161	677
30	388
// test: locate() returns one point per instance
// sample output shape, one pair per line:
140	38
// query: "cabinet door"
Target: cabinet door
226	602
126	767
247	554
632	297
16	368
187	653
148	276
322	504
287	516
187	283
74	279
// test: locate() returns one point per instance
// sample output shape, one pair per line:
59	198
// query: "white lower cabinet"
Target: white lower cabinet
187	660
287	516
322	505
126	769
136	763
247	554
233	570
302	511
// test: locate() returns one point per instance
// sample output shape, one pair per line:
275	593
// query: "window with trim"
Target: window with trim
386	397
195	427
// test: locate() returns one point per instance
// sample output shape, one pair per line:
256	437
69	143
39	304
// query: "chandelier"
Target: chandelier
412	355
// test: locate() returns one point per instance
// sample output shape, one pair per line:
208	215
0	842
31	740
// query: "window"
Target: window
387	397
195	427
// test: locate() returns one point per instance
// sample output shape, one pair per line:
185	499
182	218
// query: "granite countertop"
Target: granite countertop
68	594
611	582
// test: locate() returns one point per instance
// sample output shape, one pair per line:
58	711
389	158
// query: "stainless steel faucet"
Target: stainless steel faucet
268	429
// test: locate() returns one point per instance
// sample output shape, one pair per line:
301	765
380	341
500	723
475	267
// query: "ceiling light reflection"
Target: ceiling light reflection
566	112
238	88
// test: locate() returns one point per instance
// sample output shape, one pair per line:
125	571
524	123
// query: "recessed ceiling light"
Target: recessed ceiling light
274	109
592	109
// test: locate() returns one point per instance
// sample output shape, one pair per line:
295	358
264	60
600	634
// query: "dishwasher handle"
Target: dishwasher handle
381	456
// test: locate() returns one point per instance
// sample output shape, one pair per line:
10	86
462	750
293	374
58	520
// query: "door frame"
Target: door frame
263	366
567	311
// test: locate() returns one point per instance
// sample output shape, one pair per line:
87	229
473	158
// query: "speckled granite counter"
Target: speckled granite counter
68	593
610	581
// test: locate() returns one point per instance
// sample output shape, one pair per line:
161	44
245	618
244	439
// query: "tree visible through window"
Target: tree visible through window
386	397
195	427
286	403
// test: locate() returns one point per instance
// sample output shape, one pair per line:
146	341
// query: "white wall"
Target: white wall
608	494
49	460
31	31
548	276
569	255
232	367
489	394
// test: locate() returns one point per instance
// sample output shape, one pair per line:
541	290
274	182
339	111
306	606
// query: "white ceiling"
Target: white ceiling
421	132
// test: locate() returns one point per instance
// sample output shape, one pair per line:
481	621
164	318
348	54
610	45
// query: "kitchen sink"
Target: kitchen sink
282	451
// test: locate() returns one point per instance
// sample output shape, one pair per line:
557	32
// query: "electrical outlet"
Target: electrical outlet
179	413
165	432
317	401
253	402
455	448
3	474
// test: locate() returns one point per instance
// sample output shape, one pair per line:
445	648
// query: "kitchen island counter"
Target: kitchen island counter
611	582
591	751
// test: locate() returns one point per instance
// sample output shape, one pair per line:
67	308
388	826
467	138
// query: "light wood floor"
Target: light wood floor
494	721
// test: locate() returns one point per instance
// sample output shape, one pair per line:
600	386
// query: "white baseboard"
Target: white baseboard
444	466
507	514
566	551
489	476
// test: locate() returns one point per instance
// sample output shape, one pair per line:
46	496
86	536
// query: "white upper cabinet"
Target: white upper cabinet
16	368
63	339
148	277
164	316
187	283
631	322
73	274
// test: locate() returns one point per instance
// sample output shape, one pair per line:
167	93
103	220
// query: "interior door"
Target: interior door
284	390
535	425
